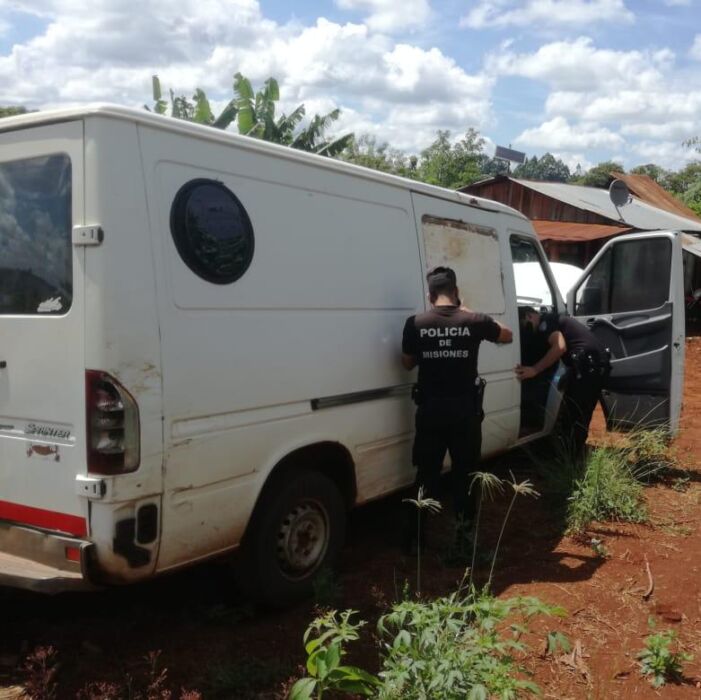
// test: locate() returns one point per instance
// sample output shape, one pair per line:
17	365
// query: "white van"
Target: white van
200	343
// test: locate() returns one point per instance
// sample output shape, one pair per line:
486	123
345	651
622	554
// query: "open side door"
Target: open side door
631	296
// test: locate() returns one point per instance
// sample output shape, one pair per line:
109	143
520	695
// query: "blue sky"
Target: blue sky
586	80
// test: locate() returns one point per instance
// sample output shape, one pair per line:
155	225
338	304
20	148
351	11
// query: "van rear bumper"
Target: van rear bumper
36	560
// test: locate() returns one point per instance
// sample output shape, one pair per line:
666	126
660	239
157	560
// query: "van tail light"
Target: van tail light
113	438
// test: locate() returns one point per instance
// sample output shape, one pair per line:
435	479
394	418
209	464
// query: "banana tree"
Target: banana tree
197	110
254	113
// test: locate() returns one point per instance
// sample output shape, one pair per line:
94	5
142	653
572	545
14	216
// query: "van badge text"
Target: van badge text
46	431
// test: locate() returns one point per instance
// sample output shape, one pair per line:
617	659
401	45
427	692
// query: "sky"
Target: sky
586	80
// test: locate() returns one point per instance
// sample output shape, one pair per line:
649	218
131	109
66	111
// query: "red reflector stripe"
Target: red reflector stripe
47	519
73	553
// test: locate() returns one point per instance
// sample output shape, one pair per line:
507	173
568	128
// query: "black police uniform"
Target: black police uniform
587	363
445	342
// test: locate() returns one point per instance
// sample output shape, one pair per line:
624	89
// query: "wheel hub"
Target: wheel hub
302	539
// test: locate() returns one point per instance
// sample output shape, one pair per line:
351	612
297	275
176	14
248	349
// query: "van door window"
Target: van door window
532	285
629	276
35	236
473	252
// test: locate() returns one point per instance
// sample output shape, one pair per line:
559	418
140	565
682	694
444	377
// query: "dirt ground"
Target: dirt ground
213	641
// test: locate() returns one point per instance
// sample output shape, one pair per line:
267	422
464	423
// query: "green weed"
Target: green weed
599	548
661	659
456	647
430	505
324	642
459	646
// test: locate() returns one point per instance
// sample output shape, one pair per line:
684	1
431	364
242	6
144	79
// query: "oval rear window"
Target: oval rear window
212	231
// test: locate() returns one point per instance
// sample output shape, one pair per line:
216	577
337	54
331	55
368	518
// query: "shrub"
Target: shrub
324	642
456	647
659	658
459	646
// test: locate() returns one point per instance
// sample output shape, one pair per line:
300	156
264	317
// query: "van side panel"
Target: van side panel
254	370
121	324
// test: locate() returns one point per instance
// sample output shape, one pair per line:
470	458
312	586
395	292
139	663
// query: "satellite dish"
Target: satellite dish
619	193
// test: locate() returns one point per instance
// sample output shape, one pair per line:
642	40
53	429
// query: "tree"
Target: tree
12	111
546	169
686	185
599	175
254	113
197	110
491	167
367	152
654	172
452	165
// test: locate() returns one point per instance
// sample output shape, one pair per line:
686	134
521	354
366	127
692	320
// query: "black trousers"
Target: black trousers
579	401
451	425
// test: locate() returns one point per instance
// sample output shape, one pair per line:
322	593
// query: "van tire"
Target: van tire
297	529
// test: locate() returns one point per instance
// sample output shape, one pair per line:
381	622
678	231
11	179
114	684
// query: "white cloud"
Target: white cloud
536	13
604	98
676	131
658	106
695	50
580	65
388	15
558	133
572	160
109	51
669	154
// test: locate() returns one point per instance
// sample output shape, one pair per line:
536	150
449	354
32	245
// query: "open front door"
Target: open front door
631	296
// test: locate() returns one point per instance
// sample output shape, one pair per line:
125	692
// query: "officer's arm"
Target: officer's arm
408	361
557	349
505	334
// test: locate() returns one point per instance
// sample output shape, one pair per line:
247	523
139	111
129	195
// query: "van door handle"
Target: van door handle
3	364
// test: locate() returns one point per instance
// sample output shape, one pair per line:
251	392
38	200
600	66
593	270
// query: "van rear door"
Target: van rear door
632	297
42	370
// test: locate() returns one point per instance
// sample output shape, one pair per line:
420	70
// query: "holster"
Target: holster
591	364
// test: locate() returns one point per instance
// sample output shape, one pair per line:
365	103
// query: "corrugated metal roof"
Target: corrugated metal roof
646	189
567	232
636	214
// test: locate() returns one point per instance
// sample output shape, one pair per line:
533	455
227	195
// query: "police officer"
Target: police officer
588	366
444	343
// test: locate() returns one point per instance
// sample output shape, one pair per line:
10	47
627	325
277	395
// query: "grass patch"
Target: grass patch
608	490
608	486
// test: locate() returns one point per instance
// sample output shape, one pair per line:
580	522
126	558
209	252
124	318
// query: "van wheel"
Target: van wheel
297	529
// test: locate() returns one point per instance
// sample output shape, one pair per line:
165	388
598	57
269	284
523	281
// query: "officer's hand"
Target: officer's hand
523	373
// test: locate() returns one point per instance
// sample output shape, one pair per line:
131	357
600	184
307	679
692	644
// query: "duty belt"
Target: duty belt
591	363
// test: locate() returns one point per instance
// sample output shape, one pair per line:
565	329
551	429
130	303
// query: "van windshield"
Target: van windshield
35	236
